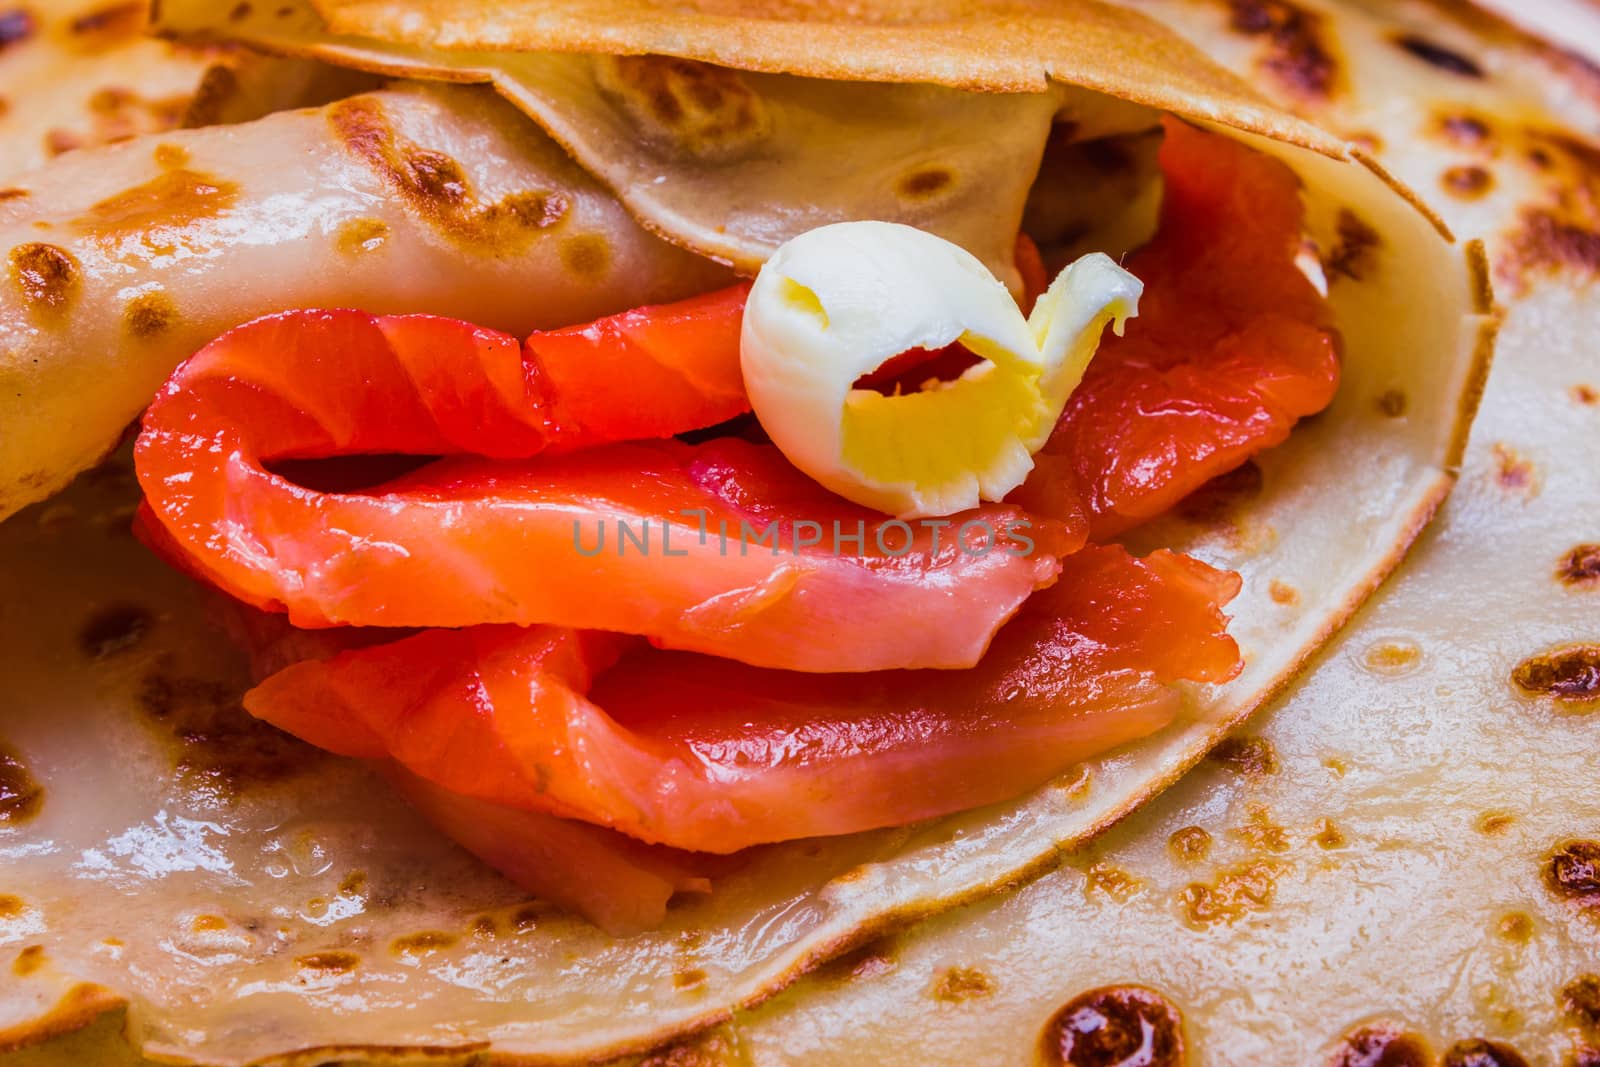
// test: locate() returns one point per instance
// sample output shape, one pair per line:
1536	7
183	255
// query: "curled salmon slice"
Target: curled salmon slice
537	514
1232	345
621	885
706	755
618	883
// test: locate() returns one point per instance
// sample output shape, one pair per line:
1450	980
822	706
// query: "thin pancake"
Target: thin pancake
448	964
1409	826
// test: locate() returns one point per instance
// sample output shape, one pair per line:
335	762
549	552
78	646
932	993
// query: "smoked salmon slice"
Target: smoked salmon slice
619	884
536	516
707	755
1232	345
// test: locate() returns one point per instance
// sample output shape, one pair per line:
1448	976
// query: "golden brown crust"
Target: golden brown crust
981	45
79	1006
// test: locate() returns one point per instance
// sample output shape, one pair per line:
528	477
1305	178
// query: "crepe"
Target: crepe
290	904
82	73
137	251
1392	856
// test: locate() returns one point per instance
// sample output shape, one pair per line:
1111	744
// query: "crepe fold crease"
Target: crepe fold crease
263	899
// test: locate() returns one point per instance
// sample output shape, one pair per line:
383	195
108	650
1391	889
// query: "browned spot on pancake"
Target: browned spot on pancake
240	11
105	26
484	927
361	235
436	187
16	25
21	796
1329	836
1581	566
1297	54
354	884
1190	844
689	978
1115	1026
1260	833
1514	926
159	210
47	276
58	141
116	113
435	177
1466	131
328	961
113	629
1572	873
110	99
1283	593
1586	395
1391	657
1568	674
1560	145
171	156
1513	471
706	109
1216	501
218	749
11	907
869	960
203	924
1494	823
150	314
1439	57
924	183
28	960
586	254
1252	757
1237	891
422	943
1113	881
1392	403
711	1048
1355	253
1580	1001
1338	766
1546	242
12	194
527	918
1480	1052
953	985
1467	181
1381	1044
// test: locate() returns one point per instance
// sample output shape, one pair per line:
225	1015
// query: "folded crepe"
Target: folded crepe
1396	863
249	898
